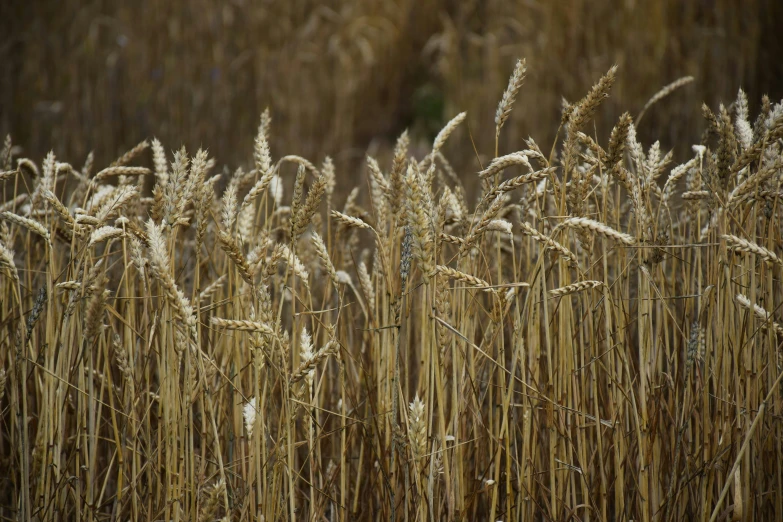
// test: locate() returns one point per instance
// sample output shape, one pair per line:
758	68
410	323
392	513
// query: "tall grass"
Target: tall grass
595	335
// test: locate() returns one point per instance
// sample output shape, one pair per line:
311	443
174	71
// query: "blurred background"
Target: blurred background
346	77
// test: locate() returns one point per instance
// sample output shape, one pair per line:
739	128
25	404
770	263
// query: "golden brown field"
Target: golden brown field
470	325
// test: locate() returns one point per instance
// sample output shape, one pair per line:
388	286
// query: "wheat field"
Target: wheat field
595	334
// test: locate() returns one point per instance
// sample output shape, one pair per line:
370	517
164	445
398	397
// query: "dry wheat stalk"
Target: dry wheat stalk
114	202
228	212
446	131
68	286
599	228
550	243
306	354
3	377
261	154
663	93
104	233
131	154
160	163
234	253
311	204
7	264
398	171
454	240
463	277
58	207
309	365
259	188
761	313
27	165
281	251
498	165
676	174
499	225
29	224
575	287
323	255
161	269
582	111
417	428
349	221
757	179
743	245
242	325
211	289
120	171
366	284
518	181
378	177
696	195
742	126
299	160
510	95
210	506
249	413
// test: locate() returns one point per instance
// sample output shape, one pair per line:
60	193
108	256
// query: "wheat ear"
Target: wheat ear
509	95
575	287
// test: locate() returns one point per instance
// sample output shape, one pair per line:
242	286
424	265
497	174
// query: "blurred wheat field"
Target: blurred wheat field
594	334
342	77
